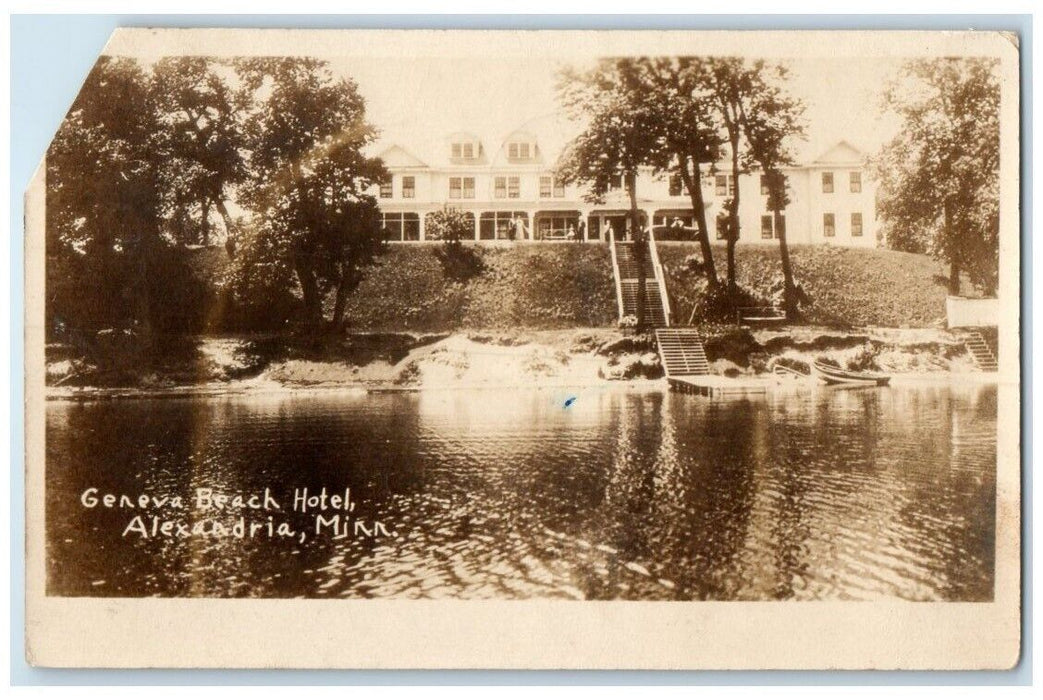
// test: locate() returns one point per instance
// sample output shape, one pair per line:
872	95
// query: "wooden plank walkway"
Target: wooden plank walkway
713	385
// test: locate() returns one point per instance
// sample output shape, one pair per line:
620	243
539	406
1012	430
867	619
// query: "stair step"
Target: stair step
981	352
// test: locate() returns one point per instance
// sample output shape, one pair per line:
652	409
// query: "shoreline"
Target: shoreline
253	389
472	360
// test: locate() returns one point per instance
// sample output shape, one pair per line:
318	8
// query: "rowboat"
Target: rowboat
835	375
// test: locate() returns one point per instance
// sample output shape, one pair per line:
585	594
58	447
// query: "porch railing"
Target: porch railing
615	272
659	275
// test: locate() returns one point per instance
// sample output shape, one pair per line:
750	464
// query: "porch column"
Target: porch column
423	219
531	233
648	217
584	216
477	224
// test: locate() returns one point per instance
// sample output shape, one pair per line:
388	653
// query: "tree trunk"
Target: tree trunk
733	217
232	234
693	182
638	242
204	233
348	282
309	290
789	289
953	251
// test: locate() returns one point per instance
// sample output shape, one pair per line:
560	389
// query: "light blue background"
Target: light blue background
50	56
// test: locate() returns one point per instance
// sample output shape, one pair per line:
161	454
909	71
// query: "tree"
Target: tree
308	182
678	93
452	226
200	144
774	117
108	265
733	86
618	140
940	175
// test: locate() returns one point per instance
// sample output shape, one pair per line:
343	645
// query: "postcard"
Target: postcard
528	349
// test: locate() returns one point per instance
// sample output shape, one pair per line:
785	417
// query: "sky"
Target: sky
417	103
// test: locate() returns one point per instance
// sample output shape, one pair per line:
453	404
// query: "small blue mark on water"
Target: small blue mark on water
569	401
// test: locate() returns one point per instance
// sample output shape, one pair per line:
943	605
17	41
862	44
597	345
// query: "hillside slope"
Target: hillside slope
553	286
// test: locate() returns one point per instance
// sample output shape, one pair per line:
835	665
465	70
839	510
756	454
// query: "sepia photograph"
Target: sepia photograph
532	317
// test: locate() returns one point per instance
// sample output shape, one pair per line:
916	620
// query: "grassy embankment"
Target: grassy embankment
540	286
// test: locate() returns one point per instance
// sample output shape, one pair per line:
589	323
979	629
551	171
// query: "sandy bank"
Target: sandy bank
526	360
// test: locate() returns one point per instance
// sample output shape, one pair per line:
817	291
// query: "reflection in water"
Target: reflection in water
831	495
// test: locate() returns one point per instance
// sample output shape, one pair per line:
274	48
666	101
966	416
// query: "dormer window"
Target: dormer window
465	149
519	150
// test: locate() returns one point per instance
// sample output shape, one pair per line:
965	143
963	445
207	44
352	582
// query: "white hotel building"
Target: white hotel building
509	191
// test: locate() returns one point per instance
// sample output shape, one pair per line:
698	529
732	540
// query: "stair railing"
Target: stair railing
615	271
659	275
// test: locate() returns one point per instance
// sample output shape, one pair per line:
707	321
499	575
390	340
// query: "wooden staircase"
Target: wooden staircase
981	353
626	270
681	352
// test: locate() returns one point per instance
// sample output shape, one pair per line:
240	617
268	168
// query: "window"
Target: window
856	224
401	226
765	189
461	188
616	182
551	186
546	186
722	228
385	189
408	187
463	150
518	150
856	181
827	183
829	225
558	228
767	227
676	186
725	185
507	187
503	225
772	227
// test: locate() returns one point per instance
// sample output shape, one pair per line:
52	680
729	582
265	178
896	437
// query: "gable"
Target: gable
842	152
398	157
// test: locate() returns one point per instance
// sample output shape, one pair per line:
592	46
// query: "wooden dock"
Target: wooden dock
688	371
714	385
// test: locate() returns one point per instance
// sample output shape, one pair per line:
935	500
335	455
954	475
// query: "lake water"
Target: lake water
805	495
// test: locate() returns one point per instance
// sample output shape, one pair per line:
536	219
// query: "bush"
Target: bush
721	305
459	262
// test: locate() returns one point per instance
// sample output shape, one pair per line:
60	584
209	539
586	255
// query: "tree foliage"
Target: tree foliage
940	175
307	191
619	139
152	160
452	226
772	120
199	146
109	266
686	127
